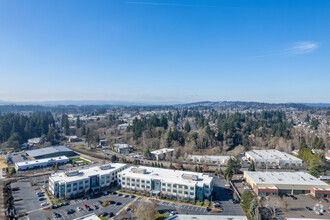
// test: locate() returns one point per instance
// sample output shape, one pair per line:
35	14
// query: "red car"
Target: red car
85	206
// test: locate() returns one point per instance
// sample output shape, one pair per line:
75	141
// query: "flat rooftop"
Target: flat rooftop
122	146
52	159
47	150
271	155
162	151
285	178
167	175
84	173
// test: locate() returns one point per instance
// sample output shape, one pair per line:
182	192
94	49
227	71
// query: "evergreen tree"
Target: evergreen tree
252	166
187	127
78	122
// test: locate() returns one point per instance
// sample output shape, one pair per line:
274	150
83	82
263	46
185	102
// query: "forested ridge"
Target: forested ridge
17	128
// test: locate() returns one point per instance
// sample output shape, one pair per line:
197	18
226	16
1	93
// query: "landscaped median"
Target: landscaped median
204	204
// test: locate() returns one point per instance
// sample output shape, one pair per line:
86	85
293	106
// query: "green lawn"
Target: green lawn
82	146
79	160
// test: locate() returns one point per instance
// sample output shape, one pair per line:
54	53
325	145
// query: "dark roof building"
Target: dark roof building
53	151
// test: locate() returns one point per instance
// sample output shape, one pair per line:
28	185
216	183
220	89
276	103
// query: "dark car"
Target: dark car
118	203
96	207
111	214
125	196
112	202
132	196
42	199
309	208
70	211
325	200
120	194
56	215
104	214
65	203
293	197
99	202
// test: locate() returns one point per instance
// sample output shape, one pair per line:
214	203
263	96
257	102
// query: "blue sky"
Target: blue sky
165	50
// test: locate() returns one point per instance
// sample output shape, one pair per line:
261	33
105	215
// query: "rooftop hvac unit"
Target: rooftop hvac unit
105	166
73	173
138	170
189	177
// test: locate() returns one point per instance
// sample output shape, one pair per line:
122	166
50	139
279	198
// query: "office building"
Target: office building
123	148
162	153
182	185
79	182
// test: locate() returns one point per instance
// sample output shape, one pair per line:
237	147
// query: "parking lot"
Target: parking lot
95	207
25	199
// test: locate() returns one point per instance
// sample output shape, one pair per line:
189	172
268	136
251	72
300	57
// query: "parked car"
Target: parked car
79	209
65	203
104	214
44	204
56	215
120	194
42	199
317	212
40	195
105	193
132	196
309	208
70	211
128	209
99	202
85	206
111	214
96	207
118	203
112	202
125	196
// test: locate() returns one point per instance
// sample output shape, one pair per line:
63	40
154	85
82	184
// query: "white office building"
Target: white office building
209	159
161	153
272	157
78	182
182	185
32	164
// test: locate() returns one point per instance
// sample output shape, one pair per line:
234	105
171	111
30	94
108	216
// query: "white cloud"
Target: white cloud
298	48
303	47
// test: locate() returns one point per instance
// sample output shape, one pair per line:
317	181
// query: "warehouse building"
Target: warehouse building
182	185
47	152
272	157
209	159
32	164
162	153
77	183
280	183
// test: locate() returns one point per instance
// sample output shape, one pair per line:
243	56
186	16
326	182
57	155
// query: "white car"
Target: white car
79	209
44	204
44	186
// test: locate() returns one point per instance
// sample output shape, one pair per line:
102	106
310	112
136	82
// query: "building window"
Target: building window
163	184
148	182
142	181
186	187
174	185
191	193
191	188
169	185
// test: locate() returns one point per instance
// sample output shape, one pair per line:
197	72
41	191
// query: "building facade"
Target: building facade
89	180
209	159
182	185
32	164
123	148
162	153
272	158
290	183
